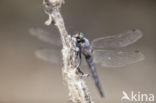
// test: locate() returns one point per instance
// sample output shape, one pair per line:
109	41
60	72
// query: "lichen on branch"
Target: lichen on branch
78	91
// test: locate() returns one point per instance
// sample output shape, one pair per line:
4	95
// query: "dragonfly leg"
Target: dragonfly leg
79	70
81	73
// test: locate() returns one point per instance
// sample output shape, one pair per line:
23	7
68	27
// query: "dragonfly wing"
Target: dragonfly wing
50	55
45	36
109	58
117	41
84	63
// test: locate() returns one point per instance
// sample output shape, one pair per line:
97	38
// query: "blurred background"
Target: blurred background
27	79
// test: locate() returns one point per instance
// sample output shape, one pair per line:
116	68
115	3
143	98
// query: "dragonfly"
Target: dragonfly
104	50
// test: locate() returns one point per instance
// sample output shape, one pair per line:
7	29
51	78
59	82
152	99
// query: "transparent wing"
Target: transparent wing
117	41
45	36
50	55
109	58
84	63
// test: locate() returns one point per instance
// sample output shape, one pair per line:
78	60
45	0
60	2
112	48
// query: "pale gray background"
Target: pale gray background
26	79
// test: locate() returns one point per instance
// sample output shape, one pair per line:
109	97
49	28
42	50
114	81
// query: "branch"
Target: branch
78	90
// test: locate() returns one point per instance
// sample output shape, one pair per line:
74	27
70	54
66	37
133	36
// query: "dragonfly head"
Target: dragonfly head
79	36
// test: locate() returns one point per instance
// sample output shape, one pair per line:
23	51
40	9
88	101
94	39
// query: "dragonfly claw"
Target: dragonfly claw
85	75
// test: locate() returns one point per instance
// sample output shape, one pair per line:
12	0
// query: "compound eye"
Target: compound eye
81	35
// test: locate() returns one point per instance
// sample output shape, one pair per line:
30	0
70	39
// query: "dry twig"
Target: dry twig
78	90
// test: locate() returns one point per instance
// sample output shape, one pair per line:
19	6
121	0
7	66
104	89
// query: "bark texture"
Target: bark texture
78	91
